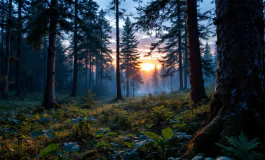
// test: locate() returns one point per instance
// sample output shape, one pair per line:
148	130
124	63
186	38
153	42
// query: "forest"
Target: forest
132	80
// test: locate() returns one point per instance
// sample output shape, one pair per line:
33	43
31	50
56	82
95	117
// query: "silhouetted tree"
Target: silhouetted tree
129	54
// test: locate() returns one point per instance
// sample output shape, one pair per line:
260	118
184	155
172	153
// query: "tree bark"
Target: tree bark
49	98
127	82
86	79
197	92
186	59
2	43
238	101
44	61
75	80
180	48
8	50
118	75
19	28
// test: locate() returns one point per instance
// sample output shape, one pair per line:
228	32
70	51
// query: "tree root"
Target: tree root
223	126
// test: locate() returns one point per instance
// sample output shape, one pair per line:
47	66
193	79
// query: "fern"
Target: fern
242	148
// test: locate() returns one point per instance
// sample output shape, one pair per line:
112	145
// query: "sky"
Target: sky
144	40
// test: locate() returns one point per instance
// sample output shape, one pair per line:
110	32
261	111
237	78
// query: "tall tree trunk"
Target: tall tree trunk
238	101
197	92
2	42
49	98
75	81
86	79
19	28
186	59
90	71
118	75
133	87
101	64
8	50
180	48
127	83
44	61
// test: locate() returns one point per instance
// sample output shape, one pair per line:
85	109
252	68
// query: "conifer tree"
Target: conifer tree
129	54
155	80
207	62
19	36
8	51
75	76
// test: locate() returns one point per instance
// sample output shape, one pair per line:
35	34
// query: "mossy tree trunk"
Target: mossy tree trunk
238	102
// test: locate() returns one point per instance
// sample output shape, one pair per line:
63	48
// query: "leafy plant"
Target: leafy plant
160	142
242	148
51	148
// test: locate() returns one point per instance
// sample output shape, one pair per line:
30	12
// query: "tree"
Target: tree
137	80
115	6
2	37
207	62
155	79
129	54
8	51
197	92
75	80
49	98
238	101
19	28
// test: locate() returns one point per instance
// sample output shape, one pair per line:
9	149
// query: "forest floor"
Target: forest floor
148	127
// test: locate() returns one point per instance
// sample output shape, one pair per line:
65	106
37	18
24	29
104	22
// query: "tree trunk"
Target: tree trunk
180	48
197	92
8	50
75	81
2	45
118	75
19	28
49	98
90	71
44	61
127	82
238	101
86	79
186	59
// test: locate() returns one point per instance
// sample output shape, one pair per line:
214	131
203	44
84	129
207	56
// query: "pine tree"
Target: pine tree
19	36
207	62
114	5
129	54
196	78
136	81
155	80
75	77
153	17
8	51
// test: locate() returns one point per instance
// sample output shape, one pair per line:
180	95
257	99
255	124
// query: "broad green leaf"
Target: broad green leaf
152	135
167	133
48	150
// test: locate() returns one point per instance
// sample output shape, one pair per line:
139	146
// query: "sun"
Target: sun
147	66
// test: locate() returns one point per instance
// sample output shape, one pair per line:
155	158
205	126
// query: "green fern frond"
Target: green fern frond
241	147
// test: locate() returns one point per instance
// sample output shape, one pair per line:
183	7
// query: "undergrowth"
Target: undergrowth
153	127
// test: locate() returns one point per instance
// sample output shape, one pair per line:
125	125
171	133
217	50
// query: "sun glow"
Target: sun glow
147	66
